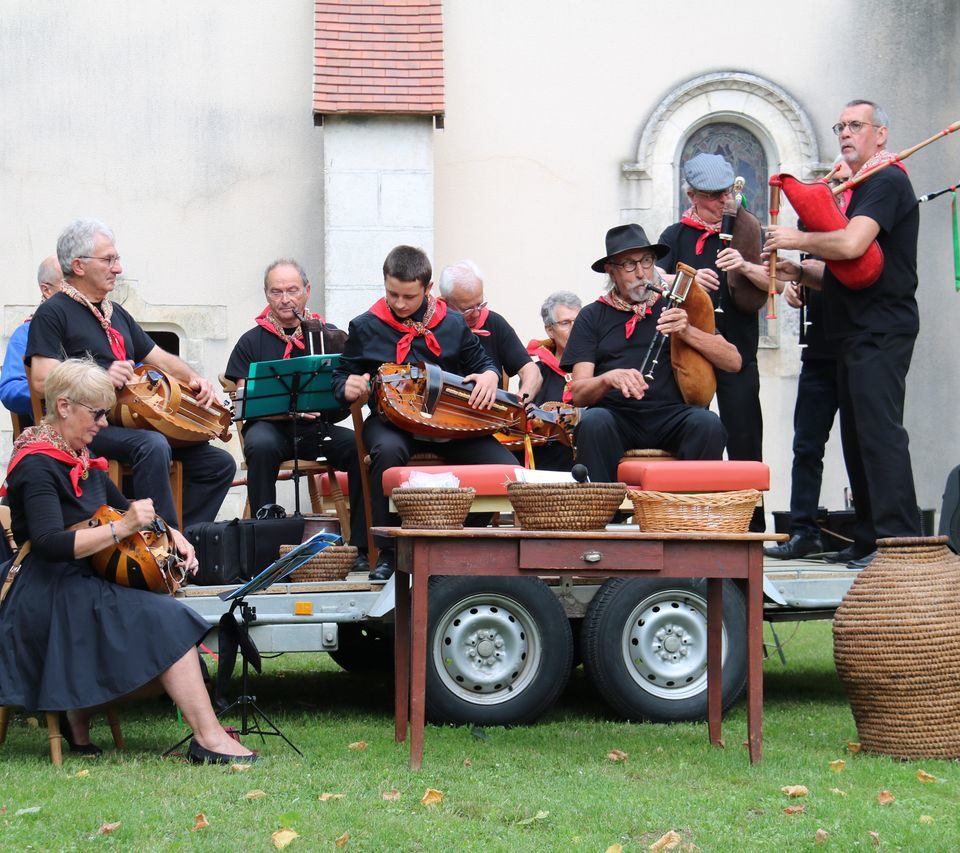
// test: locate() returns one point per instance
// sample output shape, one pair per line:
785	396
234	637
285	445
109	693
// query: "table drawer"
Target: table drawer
595	555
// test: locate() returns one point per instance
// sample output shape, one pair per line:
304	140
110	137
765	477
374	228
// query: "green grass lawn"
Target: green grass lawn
545	787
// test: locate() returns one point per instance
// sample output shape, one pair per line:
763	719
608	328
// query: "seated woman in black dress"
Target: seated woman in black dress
68	638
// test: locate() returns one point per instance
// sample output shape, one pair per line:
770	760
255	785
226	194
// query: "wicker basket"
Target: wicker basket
896	645
333	563
565	506
443	508
717	512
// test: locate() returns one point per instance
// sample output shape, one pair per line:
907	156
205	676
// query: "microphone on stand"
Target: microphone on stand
580	474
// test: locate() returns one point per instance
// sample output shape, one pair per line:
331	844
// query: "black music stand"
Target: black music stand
251	715
288	386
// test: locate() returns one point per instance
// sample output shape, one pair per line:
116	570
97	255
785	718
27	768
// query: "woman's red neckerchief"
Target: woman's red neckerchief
104	314
637	310
269	321
46	440
540	350
692	218
432	317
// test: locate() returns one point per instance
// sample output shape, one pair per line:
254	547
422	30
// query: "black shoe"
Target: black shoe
845	555
362	563
384	569
201	755
798	545
79	748
861	563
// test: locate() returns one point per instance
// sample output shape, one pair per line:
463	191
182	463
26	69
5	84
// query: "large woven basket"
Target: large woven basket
565	506
896	645
444	508
715	512
333	563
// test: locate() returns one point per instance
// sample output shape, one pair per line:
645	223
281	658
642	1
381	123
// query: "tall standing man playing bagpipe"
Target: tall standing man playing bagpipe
606	353
876	327
409	325
695	240
267	442
81	319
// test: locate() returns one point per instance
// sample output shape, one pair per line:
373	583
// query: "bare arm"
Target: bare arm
530	381
844	244
588	390
714	348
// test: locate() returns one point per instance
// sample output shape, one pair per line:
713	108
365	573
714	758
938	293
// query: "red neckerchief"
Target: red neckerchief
39	440
266	319
692	218
117	344
481	322
432	317
883	156
637	311
540	350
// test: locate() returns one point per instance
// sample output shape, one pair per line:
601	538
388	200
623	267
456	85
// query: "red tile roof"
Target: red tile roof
378	56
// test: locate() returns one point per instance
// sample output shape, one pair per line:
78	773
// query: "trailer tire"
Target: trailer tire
645	647
363	649
499	650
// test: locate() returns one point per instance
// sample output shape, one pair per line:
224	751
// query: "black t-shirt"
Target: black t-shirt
741	328
372	343
817	345
502	345
63	328
599	337
551	390
889	304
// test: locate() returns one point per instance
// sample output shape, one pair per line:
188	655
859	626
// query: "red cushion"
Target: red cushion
486	479
325	483
694	475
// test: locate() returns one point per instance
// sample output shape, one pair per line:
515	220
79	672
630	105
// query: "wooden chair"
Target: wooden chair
312	469
17	424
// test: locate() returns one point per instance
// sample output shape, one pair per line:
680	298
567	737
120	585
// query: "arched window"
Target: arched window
742	150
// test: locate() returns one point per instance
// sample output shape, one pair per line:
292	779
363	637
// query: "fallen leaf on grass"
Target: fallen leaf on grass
342	840
358	744
255	794
283	838
614	848
617	755
853	746
540	815
391	796
925	819
820	836
82	774
795	790
838	792
875	838
28	810
3	810
33	723
923	776
794	809
885	798
838	765
467	762
240	768
200	822
431	797
107	828
668	841
325	797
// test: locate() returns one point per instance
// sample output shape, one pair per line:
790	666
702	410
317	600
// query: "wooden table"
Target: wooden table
514	552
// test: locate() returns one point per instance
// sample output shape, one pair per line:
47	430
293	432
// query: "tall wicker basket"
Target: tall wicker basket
896	644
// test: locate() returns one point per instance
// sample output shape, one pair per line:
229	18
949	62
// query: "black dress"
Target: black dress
68	638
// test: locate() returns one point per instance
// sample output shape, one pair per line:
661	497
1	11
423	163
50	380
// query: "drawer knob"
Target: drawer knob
592	557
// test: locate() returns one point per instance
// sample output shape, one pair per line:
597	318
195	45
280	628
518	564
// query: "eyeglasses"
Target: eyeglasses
293	293
855	126
475	310
645	263
97	413
716	195
563	324
109	260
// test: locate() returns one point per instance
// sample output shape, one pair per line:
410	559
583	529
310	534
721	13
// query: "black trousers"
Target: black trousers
552	456
688	432
207	471
813	417
389	447
738	401
268	443
872	373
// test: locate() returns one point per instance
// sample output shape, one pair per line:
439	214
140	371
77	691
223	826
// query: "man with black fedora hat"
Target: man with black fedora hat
738	282
605	354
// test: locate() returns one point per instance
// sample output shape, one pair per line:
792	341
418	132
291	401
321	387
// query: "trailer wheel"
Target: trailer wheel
499	650
364	649
645	647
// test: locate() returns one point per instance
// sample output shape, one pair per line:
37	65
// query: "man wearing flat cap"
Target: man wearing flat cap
737	284
605	354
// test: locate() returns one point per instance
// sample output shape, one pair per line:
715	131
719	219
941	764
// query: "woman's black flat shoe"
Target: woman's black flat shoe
201	755
79	748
